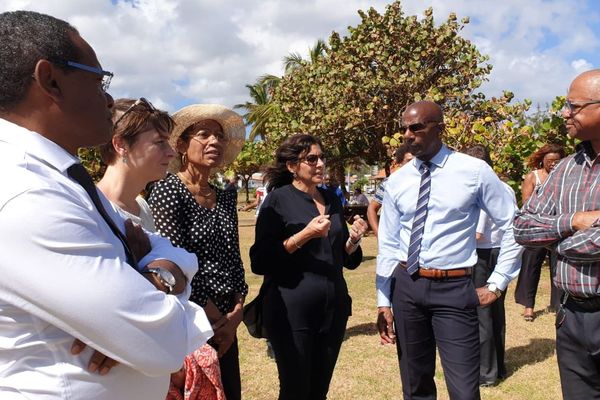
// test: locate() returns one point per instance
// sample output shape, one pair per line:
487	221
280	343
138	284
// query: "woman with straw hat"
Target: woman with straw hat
202	218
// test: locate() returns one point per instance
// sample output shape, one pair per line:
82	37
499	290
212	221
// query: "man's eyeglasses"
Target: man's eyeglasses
417	127
140	101
575	106
313	159
106	75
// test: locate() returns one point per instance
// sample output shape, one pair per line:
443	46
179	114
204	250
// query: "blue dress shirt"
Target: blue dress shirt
461	186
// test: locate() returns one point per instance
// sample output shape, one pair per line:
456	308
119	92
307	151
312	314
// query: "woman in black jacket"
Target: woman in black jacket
302	243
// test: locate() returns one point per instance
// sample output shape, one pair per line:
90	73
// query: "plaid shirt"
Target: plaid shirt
545	221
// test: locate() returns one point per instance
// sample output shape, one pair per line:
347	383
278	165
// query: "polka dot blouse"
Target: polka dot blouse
212	234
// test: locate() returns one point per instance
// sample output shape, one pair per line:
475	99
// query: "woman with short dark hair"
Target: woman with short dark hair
302	244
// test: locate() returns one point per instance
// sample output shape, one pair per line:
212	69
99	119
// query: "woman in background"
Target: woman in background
541	162
302	244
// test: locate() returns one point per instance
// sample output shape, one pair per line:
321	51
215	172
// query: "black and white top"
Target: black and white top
212	234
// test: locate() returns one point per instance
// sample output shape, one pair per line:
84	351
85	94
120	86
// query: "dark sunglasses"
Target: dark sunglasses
417	127
313	159
106	75
138	102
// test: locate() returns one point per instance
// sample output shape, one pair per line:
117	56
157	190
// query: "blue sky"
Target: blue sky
178	52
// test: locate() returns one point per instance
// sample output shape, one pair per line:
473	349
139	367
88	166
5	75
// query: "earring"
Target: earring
124	159
184	159
295	175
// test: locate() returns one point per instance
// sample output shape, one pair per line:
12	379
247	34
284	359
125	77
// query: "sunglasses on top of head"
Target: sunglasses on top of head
142	101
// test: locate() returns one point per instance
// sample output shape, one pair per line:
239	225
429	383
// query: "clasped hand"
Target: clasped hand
319	226
358	229
225	330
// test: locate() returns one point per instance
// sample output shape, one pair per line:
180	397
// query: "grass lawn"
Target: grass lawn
366	370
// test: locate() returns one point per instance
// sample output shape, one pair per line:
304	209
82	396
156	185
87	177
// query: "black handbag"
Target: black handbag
253	314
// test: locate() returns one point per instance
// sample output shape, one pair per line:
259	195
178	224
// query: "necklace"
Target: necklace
197	190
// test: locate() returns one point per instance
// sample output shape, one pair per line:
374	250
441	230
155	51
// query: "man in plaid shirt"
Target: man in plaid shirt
564	215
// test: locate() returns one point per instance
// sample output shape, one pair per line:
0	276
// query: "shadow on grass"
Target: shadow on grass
367	258
538	350
361	329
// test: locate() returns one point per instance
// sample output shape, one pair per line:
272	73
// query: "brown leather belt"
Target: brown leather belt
439	274
430	273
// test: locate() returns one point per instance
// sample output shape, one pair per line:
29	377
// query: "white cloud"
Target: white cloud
177	52
580	65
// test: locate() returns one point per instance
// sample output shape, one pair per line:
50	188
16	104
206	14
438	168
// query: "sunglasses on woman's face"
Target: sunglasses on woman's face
140	101
313	159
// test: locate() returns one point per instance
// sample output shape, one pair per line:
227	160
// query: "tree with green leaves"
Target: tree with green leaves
252	157
261	108
351	96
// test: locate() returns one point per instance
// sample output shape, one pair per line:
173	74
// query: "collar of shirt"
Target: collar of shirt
439	160
32	144
586	151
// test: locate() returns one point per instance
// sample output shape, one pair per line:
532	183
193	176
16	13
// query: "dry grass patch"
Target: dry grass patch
369	371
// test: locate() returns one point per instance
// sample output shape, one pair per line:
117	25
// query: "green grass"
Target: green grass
367	370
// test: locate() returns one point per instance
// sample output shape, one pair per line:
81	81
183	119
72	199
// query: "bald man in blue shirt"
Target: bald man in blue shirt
427	251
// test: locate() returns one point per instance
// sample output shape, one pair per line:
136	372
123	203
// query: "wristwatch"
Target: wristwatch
492	287
165	277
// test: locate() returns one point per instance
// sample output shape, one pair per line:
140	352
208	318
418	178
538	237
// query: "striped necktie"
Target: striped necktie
81	176
416	234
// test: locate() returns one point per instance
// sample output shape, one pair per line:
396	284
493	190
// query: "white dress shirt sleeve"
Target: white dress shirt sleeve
481	223
499	202
63	269
389	244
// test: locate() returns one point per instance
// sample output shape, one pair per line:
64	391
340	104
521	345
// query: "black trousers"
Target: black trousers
492	321
429	312
578	352
529	277
229	365
307	339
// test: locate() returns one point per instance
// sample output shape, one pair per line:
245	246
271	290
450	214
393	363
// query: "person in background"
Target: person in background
137	154
72	267
563	215
232	184
358	198
542	162
202	219
492	319
260	194
401	157
302	245
333	185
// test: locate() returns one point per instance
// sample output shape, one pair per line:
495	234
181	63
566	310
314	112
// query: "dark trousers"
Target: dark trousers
492	322
305	358
529	277
578	352
443	312
230	372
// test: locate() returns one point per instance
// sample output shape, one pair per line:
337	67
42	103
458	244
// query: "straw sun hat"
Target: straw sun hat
232	124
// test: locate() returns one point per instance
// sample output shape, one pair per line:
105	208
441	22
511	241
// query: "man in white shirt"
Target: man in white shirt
492	319
64	270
